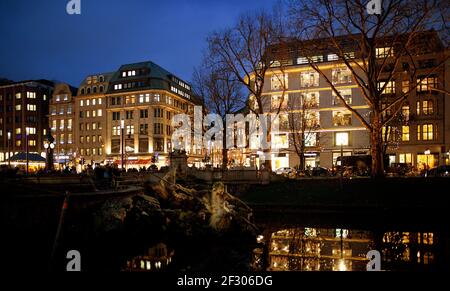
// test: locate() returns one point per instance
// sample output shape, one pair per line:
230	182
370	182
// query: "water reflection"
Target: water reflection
157	258
334	249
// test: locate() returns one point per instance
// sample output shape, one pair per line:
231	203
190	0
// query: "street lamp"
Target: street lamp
27	132
427	153
122	125
9	150
341	140
49	146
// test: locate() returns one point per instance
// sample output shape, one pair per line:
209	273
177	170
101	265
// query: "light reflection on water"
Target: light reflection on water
331	249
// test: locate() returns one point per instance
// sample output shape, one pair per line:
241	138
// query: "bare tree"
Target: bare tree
245	51
221	92
303	125
377	50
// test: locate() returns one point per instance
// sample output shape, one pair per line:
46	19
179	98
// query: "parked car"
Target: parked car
284	171
400	169
441	171
320	172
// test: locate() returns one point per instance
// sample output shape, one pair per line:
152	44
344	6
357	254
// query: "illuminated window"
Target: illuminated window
69	138
302	60
94	113
279	81
384	52
405	112
427	132
31	95
61	124
427	107
100	101
309	79
31	107
99	112
341	76
156	98
130	129
61	138
116	130
32	142
18	143
426	84
88	139
280	141
346	94
405	133
389	89
311	139
349	55
312	119
18	107
405	86
94	138
279	101
341	138
81	103
88	113
94	126
53	125
342	118
332	57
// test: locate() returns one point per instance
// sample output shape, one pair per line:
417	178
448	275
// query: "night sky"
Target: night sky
40	40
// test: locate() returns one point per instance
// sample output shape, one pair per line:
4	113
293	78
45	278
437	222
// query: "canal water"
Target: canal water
338	249
281	246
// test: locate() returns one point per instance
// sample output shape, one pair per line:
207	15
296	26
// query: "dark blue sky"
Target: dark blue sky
40	40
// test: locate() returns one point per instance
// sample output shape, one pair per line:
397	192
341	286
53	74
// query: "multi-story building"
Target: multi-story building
142	99
90	109
62	122
422	137
23	116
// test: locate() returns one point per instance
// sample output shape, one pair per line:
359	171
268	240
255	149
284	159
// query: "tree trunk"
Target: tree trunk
302	160
376	141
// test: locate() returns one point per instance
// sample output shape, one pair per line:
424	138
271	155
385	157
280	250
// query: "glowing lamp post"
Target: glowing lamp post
9	150
122	125
427	154
49	146
341	140
27	132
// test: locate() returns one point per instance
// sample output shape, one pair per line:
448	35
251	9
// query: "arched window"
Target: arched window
101	89
82	91
101	79
89	90
95	89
